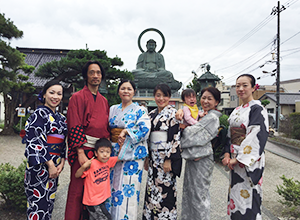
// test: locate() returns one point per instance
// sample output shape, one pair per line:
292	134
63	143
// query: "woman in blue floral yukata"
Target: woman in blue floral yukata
130	127
164	159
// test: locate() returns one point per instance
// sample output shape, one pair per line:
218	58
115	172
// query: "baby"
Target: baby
191	113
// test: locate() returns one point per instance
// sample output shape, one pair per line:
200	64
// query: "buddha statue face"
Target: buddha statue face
151	45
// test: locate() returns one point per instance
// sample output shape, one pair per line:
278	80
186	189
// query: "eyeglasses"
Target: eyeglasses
92	72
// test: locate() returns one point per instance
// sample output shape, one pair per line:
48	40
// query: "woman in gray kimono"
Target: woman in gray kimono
197	150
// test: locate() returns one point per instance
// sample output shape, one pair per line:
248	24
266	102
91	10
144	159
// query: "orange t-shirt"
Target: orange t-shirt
97	182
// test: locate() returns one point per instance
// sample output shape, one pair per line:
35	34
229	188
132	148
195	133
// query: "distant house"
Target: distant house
291	86
37	57
287	102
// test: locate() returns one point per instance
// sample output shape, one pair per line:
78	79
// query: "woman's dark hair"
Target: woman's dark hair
252	79
86	68
46	87
214	91
186	93
164	88
102	142
124	81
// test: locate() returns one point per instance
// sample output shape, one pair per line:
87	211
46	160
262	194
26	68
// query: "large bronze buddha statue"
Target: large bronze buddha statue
150	69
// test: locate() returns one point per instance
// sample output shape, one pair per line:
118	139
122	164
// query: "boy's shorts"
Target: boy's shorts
98	212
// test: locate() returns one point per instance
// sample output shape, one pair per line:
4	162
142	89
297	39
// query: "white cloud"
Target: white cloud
196	31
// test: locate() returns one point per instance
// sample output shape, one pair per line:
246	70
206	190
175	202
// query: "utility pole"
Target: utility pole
277	10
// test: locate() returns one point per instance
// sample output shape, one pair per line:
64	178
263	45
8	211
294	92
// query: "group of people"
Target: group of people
109	147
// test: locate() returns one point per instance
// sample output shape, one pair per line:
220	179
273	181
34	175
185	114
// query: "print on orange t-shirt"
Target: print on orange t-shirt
97	182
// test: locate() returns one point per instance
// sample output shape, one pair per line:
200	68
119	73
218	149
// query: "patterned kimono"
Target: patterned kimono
45	140
126	176
196	143
245	192
161	189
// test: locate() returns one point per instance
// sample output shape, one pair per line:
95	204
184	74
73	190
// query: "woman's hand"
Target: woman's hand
81	156
232	163
146	164
52	169
226	159
122	137
167	166
179	114
60	167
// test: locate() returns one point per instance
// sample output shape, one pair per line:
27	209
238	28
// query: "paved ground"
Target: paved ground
277	164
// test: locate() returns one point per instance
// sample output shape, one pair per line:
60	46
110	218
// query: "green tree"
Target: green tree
68	70
265	102
12	69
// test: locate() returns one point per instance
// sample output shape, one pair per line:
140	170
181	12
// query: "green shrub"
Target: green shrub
290	126
12	186
290	191
224	121
17	126
295	119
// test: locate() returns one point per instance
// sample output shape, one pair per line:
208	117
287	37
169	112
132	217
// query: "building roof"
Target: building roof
285	98
37	57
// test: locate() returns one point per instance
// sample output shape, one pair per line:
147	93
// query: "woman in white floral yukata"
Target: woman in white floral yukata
245	155
164	162
130	128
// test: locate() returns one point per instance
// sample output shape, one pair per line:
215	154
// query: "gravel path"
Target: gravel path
12	151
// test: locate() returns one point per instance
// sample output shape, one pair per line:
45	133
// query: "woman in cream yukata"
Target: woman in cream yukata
245	155
130	127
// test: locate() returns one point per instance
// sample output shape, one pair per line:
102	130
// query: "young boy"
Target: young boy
191	113
97	181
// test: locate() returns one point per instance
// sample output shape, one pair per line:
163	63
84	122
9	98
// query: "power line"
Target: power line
247	36
248	58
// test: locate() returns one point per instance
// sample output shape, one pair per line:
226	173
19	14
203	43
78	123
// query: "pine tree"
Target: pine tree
12	65
68	70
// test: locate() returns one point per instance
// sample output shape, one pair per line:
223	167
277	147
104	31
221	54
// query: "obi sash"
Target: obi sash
55	143
91	141
115	132
158	140
237	135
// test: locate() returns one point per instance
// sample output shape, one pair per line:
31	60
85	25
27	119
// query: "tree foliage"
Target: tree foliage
13	72
265	102
68	70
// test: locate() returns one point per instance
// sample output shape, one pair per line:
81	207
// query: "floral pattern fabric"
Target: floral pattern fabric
245	192
126	176
40	190
161	189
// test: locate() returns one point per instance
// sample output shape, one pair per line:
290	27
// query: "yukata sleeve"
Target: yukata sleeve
252	147
173	145
188	116
65	132
36	144
76	135
135	145
141	129
173	138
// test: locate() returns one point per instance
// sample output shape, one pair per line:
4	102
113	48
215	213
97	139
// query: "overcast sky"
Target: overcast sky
224	33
